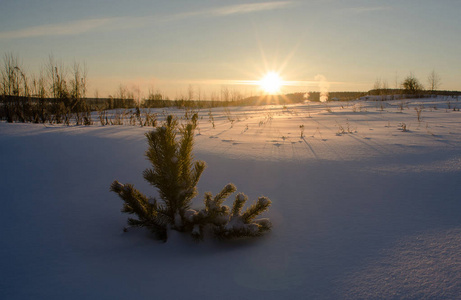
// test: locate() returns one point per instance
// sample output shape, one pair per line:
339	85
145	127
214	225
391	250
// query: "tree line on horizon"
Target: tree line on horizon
58	95
412	87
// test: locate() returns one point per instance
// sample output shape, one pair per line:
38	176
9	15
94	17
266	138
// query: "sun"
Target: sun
271	83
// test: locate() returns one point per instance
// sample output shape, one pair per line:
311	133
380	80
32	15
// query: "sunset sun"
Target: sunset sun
271	83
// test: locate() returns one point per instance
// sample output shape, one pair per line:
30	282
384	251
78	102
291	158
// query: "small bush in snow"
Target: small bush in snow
175	175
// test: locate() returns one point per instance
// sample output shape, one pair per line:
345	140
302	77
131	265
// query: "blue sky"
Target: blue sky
171	45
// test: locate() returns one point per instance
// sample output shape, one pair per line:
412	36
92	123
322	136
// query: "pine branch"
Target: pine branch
225	192
208	199
259	207
149	215
199	167
240	200
185	153
245	225
135	202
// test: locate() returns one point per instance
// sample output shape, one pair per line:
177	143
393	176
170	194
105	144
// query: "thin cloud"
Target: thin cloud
61	29
249	8
234	10
111	23
362	10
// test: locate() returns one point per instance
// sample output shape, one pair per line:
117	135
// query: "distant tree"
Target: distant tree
14	82
396	80
190	92
434	80
78	82
411	85
175	175
377	85
235	95
214	96
381	86
225	94
57	78
199	93
385	85
155	94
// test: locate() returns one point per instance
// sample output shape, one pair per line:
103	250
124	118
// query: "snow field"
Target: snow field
366	211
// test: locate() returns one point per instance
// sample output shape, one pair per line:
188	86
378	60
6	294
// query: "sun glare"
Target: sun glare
271	83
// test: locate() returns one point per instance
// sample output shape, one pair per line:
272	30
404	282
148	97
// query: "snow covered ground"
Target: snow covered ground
366	204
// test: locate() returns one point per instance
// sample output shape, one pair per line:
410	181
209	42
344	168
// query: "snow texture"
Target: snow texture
190	214
196	229
177	220
241	197
374	212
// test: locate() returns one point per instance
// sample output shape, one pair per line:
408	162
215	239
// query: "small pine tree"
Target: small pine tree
175	174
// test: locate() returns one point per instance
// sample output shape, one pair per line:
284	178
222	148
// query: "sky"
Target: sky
208	46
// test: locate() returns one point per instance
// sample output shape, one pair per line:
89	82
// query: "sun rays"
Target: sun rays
271	83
